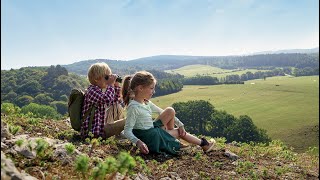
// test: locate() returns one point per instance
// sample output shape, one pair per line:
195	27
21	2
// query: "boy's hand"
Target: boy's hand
112	79
117	84
182	131
143	147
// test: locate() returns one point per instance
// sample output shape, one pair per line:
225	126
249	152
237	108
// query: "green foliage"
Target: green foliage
14	129
33	121
201	80
198	155
60	106
244	166
23	100
69	148
195	115
142	164
45	84
243	130
41	146
42	98
82	164
313	151
126	163
40	111
9	108
200	117
19	142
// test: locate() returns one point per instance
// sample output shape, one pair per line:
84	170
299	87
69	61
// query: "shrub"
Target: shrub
9	108
69	148
40	111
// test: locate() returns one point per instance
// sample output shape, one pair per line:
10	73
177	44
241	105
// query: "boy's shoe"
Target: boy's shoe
209	147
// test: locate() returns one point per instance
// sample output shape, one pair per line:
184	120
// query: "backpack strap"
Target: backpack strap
91	109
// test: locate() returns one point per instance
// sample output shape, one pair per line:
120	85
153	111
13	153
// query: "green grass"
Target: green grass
205	70
287	107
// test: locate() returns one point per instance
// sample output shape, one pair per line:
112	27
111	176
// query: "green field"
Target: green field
205	70
287	107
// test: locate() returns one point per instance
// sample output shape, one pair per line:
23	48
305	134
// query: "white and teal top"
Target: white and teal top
139	116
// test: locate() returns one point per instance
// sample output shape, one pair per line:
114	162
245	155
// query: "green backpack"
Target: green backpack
75	103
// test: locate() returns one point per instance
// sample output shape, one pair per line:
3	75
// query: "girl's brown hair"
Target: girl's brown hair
130	83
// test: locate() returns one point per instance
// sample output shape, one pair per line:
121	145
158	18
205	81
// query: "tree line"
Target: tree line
200	117
239	79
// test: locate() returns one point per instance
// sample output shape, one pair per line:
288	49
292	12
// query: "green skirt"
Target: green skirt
158	140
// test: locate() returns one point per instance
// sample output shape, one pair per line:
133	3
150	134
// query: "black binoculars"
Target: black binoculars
119	78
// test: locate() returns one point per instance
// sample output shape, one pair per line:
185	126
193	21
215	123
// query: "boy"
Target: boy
103	93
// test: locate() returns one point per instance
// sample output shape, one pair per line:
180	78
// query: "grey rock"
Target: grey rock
9	171
231	155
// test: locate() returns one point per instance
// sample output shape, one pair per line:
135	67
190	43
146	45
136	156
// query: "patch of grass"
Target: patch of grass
289	112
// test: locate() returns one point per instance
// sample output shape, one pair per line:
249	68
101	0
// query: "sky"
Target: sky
52	32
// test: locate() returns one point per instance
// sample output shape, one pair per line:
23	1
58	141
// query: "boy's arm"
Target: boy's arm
95	95
117	93
130	122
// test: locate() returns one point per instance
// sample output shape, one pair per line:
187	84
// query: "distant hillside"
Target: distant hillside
306	51
168	62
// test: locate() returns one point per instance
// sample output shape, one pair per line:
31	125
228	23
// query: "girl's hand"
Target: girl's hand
182	131
143	147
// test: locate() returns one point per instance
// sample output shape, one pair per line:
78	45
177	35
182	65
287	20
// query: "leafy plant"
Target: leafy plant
82	164
126	162
19	142
41	145
142	164
14	129
69	148
33	121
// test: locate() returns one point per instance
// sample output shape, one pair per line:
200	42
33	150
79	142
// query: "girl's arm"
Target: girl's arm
157	109
130	122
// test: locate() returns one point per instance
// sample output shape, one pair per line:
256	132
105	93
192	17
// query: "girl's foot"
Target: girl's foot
209	147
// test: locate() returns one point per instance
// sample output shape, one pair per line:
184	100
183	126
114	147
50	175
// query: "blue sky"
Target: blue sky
51	32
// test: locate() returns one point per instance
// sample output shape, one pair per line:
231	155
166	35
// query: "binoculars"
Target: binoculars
119	78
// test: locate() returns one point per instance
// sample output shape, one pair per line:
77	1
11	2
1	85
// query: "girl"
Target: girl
159	136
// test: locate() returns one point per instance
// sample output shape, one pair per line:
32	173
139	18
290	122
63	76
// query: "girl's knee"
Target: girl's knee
170	110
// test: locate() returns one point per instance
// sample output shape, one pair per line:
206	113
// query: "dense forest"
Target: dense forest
49	87
39	85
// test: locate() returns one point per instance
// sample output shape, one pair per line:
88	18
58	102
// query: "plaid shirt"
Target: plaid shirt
94	96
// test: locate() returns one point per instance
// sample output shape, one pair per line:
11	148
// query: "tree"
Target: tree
23	100
60	106
194	114
44	99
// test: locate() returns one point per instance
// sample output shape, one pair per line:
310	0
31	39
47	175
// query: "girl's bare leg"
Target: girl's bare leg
189	138
167	118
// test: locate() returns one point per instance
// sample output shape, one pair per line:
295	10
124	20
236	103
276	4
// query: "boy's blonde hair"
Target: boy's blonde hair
97	71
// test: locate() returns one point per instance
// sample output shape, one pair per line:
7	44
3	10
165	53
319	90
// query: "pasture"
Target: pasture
205	70
287	107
